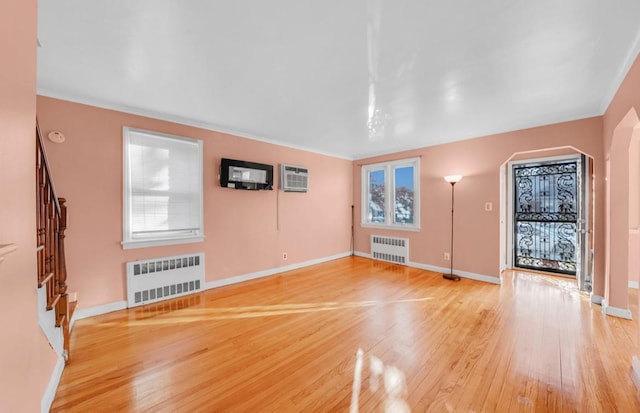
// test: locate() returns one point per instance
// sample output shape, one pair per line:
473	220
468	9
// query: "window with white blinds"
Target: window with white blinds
162	189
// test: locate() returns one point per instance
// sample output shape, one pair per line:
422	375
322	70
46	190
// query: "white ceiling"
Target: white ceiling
351	78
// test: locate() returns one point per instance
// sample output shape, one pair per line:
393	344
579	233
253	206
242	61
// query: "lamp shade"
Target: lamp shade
452	179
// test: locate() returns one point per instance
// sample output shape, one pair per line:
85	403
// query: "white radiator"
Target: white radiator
390	249
157	279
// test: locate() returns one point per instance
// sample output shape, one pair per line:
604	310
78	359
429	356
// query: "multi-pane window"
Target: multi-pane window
390	194
162	189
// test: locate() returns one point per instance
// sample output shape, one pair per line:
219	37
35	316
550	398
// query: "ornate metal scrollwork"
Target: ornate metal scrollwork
546	216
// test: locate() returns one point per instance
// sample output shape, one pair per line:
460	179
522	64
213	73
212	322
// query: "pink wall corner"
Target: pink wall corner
625	104
634	259
618	180
245	231
634	208
619	122
623	207
26	360
625	99
477	232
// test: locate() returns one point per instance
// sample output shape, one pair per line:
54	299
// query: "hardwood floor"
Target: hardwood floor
289	343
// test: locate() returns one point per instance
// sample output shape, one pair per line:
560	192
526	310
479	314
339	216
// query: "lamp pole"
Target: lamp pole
452	179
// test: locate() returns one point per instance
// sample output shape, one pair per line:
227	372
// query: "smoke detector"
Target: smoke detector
56	137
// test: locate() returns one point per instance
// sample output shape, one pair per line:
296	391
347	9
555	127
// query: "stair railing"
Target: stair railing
51	226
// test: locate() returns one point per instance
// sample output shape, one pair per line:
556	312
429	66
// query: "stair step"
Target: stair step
46	279
53	303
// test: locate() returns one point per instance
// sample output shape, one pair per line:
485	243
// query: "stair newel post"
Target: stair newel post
62	265
51	243
62	319
40	216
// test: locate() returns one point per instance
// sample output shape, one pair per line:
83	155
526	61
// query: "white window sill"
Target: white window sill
391	227
128	245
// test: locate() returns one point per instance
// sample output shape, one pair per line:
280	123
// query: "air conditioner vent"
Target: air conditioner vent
294	178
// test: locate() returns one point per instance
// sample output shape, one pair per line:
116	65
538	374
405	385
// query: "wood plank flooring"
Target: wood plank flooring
289	343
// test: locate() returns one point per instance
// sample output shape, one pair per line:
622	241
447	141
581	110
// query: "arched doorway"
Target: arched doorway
547	213
622	210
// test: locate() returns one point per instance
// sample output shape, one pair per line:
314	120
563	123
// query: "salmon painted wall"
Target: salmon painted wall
634	211
624	106
626	98
245	231
620	125
26	360
477	232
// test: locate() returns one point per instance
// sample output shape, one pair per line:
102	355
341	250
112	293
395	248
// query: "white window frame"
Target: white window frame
390	190
162	238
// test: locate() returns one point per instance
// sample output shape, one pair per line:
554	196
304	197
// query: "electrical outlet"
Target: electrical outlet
284	256
447	256
488	206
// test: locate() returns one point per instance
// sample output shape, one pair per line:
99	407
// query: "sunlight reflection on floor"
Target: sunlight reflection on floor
189	315
564	284
393	379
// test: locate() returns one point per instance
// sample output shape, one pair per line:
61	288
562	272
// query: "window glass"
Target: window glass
391	187
376	196
404	195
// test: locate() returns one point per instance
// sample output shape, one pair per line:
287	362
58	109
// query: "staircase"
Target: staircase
52	272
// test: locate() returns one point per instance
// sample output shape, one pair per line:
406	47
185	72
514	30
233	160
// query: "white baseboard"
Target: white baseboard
635	363
597	299
615	312
252	276
464	274
98	310
634	284
52	386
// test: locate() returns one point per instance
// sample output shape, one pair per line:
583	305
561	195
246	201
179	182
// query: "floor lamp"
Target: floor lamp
452	179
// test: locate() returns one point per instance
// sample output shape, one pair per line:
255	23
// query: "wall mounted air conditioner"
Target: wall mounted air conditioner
294	178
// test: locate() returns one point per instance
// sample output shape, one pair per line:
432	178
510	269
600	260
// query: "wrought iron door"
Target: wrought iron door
546	217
